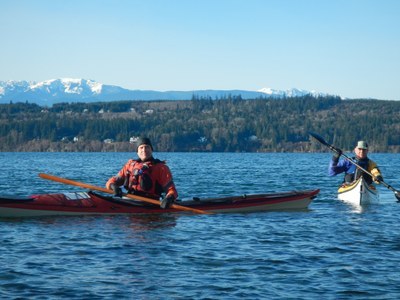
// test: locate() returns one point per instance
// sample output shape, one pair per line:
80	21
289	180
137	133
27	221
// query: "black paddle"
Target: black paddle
323	142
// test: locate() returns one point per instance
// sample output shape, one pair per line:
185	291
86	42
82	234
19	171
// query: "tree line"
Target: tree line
231	124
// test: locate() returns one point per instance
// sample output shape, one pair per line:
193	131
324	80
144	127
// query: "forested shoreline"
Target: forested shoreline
223	125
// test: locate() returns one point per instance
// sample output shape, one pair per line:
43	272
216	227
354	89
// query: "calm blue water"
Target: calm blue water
331	251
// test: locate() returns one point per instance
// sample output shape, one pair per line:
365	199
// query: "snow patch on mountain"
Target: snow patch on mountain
53	91
290	93
68	86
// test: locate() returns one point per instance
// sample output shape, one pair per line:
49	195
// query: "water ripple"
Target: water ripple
331	250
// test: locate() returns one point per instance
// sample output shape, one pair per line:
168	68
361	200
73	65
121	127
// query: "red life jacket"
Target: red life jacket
150	179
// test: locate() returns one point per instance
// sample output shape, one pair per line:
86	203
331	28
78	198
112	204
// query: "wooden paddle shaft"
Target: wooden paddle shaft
104	190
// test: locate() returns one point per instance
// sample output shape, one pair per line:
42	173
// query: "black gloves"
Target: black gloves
167	201
336	154
378	179
117	190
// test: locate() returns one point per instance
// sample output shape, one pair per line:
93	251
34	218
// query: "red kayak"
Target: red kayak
85	203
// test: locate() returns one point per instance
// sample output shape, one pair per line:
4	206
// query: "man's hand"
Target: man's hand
336	154
378	179
117	190
167	201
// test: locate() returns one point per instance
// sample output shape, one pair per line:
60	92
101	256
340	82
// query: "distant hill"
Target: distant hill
70	90
224	125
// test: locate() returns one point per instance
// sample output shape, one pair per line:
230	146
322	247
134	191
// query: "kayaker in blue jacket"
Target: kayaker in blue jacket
351	171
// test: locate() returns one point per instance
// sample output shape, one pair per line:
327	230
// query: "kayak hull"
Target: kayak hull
90	203
358	193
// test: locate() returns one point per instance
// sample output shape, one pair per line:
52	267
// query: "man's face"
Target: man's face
144	152
361	153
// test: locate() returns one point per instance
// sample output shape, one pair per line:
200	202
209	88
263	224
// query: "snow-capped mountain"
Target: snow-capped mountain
57	90
82	90
67	86
290	93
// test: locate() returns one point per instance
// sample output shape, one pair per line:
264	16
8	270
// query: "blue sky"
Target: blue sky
349	48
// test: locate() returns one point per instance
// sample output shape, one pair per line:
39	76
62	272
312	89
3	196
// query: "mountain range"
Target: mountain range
60	90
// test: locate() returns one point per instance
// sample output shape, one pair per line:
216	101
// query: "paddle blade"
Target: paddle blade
318	138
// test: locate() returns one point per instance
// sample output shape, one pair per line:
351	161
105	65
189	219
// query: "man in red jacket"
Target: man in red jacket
145	176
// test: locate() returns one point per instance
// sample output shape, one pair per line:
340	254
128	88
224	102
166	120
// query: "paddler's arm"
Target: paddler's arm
337	167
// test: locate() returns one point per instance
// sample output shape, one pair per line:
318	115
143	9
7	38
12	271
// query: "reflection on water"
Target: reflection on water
152	221
355	208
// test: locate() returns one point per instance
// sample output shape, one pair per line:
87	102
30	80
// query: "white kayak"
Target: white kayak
358	193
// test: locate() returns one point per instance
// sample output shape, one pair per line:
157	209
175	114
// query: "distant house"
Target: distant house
149	112
133	139
253	138
108	141
202	139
